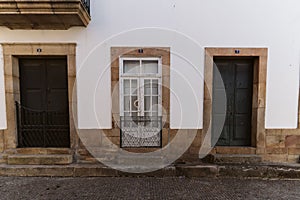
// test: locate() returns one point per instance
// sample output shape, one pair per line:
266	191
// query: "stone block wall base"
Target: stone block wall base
18	159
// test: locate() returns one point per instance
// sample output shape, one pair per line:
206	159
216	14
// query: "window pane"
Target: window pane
154	114
126	87
155	87
150	66
155	103
126	103
147	102
134	87
134	103
147	87
131	66
126	123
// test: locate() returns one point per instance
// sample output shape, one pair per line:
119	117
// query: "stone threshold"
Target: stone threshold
37	156
39	151
27	159
263	170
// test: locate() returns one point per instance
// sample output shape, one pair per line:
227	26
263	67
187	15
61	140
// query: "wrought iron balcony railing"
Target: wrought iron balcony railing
86	4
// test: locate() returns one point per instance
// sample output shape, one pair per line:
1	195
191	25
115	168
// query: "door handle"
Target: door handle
137	105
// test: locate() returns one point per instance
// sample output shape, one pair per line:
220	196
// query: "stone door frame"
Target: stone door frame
139	52
259	94
11	53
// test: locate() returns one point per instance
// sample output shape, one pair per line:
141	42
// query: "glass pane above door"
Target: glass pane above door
150	66
131	66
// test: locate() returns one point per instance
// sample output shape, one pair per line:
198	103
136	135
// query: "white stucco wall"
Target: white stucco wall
186	27
3	122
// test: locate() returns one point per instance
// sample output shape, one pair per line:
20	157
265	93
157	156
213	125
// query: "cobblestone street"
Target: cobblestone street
146	188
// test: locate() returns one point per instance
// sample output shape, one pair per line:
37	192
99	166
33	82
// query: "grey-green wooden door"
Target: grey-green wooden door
237	75
44	108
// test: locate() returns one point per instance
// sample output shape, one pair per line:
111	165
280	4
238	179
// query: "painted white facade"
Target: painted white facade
3	122
186	27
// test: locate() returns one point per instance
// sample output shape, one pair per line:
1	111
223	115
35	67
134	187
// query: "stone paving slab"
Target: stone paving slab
39	188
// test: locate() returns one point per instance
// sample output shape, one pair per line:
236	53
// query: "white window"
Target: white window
140	101
140	87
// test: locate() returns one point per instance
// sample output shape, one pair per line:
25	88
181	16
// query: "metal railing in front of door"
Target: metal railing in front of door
40	128
141	131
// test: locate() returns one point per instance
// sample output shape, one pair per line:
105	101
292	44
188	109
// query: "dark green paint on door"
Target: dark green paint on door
44	109
237	75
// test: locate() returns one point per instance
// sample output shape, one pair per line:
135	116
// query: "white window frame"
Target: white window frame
140	76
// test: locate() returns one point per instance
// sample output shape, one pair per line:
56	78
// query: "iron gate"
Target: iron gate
42	128
141	131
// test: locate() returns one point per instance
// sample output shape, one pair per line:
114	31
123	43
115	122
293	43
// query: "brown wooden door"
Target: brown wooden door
44	112
237	75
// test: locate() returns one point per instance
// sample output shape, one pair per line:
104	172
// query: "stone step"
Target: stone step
200	170
236	159
267	170
27	159
76	170
42	151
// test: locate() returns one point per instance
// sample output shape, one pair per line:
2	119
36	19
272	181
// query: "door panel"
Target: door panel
237	75
242	75
57	85
241	101
44	114
224	137
33	87
241	127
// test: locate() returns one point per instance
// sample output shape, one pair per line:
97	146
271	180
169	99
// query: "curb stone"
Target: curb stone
199	170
